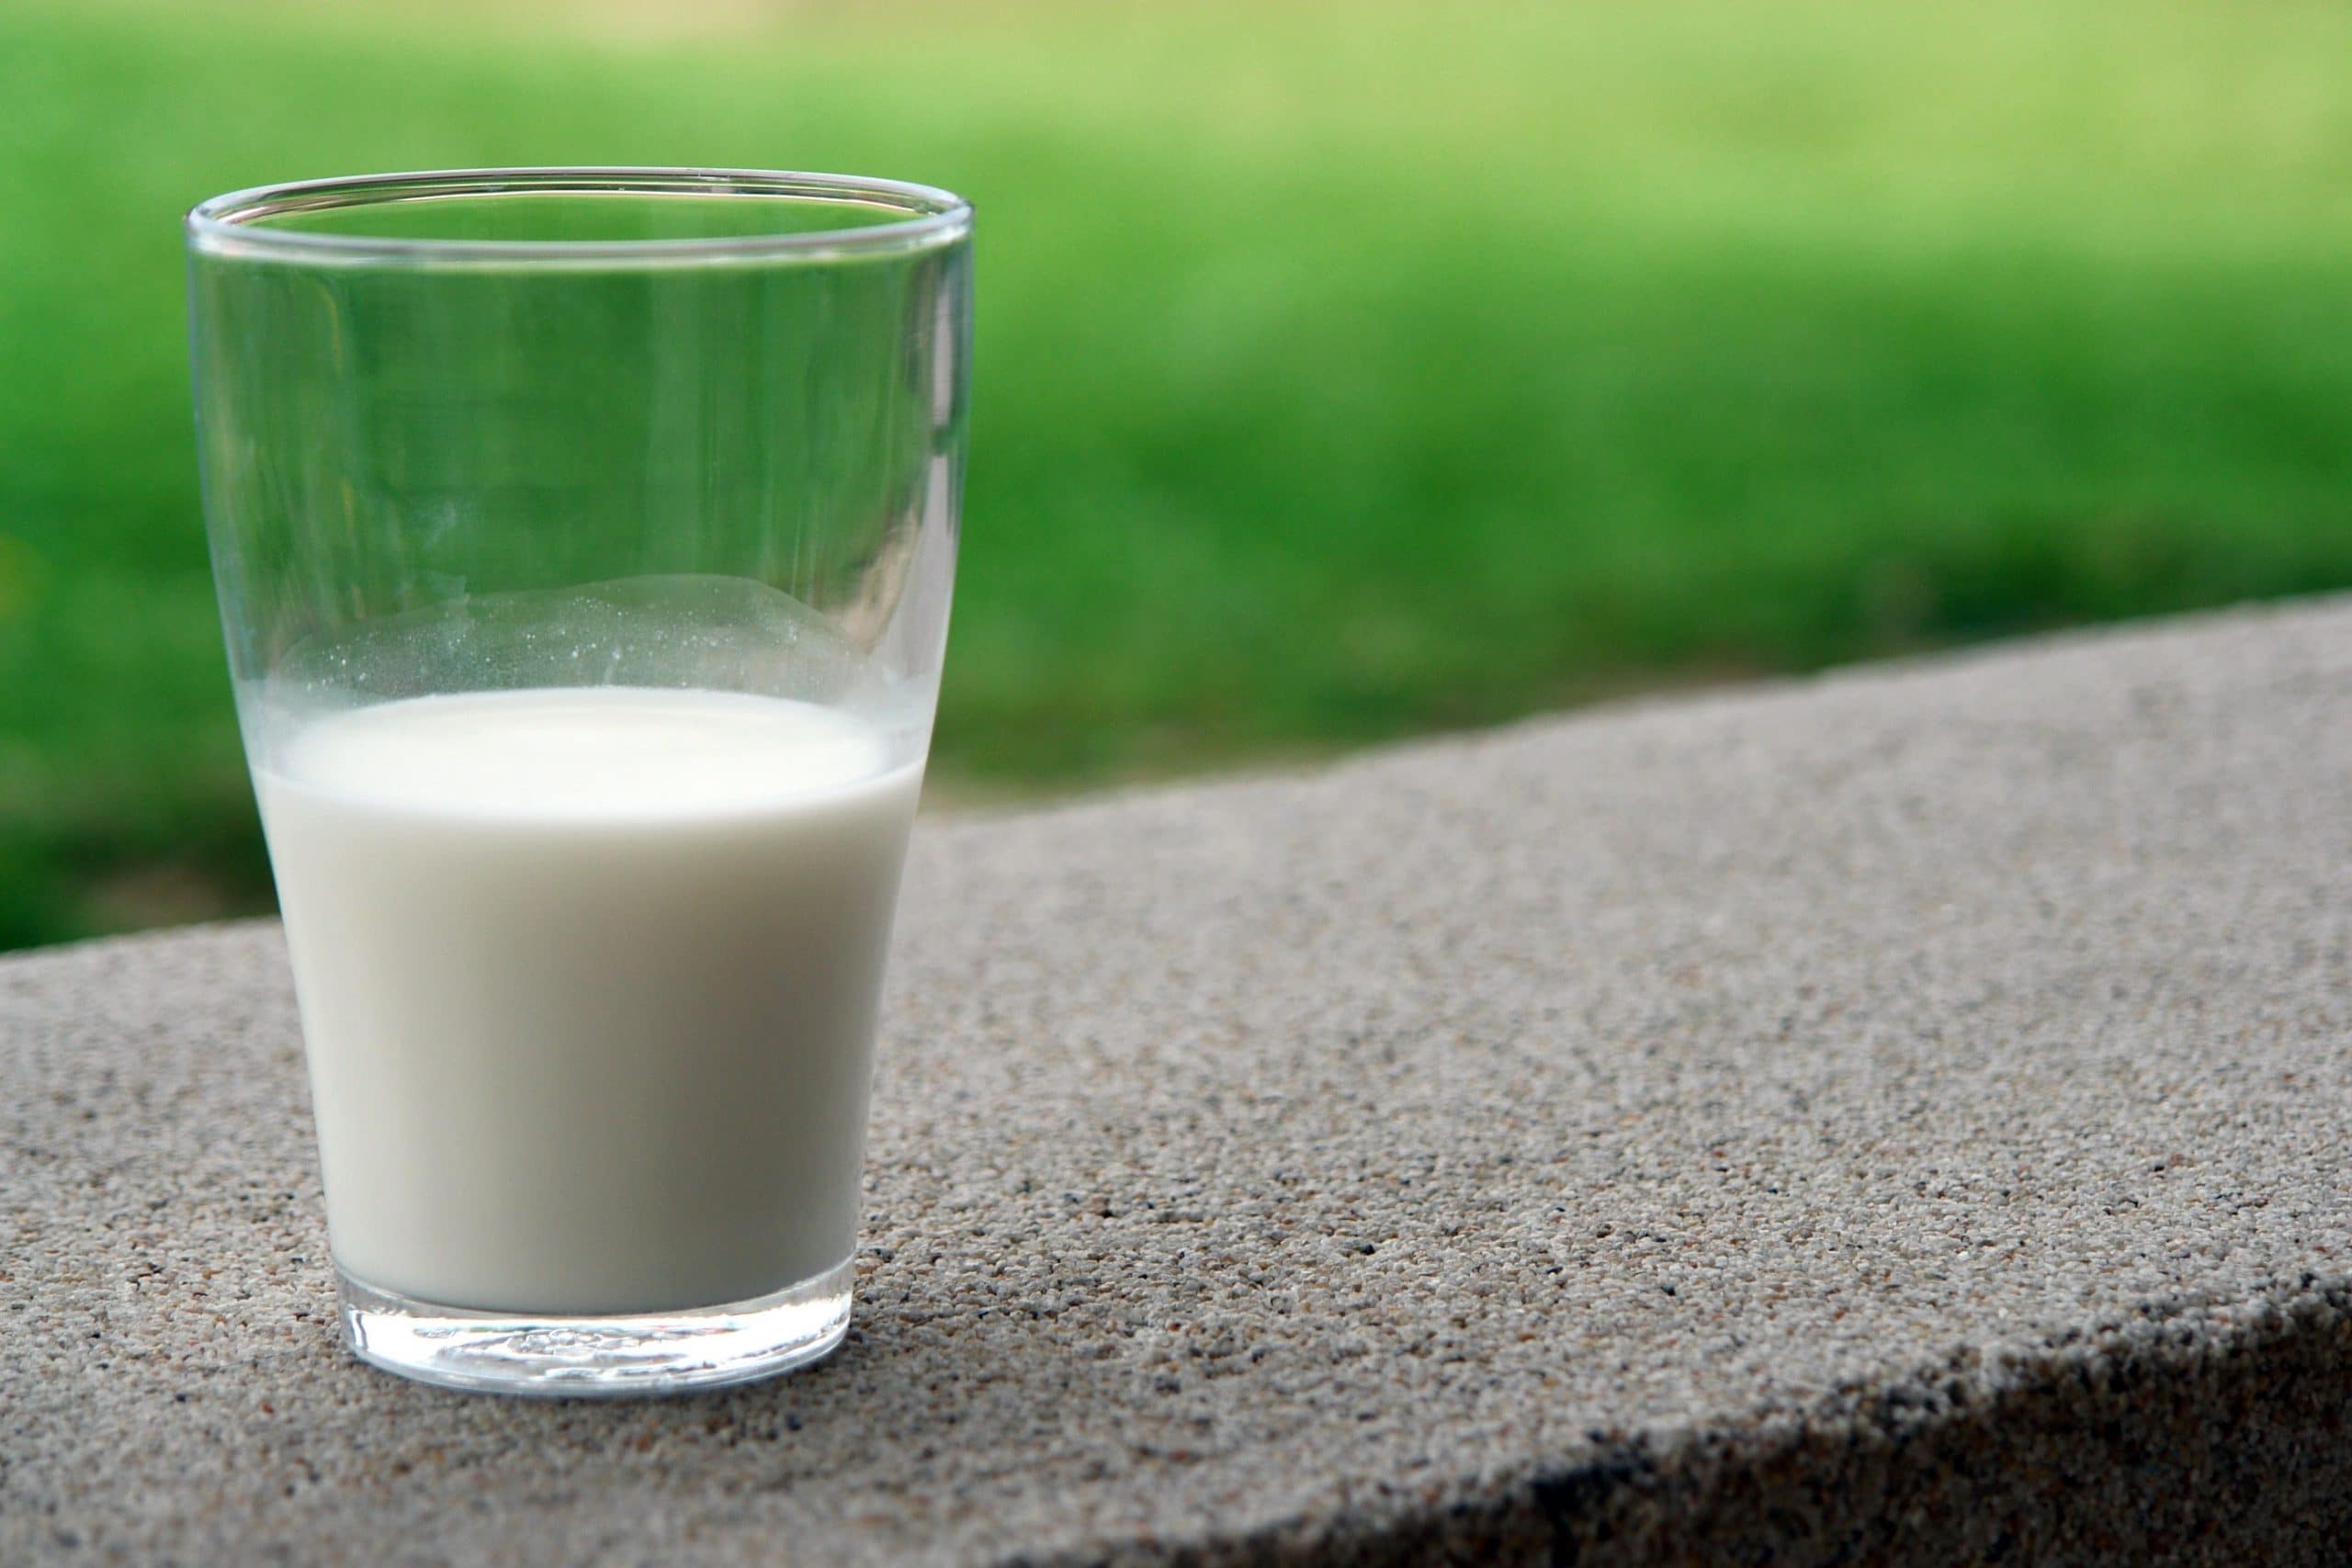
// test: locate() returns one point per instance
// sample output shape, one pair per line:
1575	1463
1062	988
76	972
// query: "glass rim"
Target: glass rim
232	225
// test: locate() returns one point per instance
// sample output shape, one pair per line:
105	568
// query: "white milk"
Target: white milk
588	980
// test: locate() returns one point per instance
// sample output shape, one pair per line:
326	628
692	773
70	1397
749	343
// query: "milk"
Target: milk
588	980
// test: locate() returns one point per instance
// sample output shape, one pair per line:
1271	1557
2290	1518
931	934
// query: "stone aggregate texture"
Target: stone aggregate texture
1899	1116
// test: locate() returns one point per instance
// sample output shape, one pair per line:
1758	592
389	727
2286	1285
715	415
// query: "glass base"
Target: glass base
595	1358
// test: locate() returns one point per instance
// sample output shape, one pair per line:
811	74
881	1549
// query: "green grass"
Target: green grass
1343	372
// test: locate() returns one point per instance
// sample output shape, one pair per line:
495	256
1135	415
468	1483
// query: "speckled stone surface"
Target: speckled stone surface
1902	1116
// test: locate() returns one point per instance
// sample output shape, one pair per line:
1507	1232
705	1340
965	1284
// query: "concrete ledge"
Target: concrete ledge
1902	1114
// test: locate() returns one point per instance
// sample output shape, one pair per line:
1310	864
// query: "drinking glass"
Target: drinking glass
585	540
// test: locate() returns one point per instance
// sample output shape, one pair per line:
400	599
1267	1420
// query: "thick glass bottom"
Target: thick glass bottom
595	1358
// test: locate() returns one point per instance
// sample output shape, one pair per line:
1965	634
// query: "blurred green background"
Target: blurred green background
1343	372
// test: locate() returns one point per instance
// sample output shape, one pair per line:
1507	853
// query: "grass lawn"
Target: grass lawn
1343	371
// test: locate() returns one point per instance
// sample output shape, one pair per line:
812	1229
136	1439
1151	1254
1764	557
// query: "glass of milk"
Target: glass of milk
585	540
